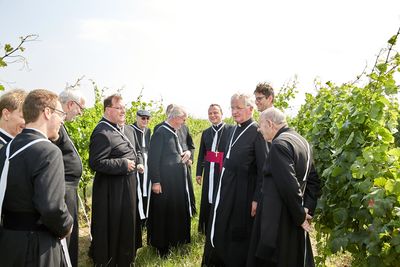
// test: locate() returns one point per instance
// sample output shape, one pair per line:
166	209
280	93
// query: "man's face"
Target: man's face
240	112
142	121
179	121
16	122
74	109
214	115
266	129
116	113
262	101
55	121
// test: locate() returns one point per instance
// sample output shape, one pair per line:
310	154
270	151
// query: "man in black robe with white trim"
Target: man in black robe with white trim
238	191
142	133
112	155
210	160
170	209
73	104
290	190
34	214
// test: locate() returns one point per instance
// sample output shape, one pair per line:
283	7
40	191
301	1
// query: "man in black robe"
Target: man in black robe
210	160
238	191
289	196
35	216
142	133
112	155
170	210
186	141
11	118
73	104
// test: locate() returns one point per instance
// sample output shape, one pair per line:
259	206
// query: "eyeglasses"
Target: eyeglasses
259	98
79	105
145	118
118	108
60	113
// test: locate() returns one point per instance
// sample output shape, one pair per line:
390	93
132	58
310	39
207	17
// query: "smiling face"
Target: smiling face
240	112
56	118
14	121
116	112
215	115
262	101
142	121
74	108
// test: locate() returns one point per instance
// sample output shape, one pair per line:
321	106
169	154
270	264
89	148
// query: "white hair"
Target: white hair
177	111
70	94
275	115
248	99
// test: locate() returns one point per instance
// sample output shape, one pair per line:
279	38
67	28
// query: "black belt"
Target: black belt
22	221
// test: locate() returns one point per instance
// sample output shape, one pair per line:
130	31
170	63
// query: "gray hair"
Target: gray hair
275	115
177	111
247	99
70	94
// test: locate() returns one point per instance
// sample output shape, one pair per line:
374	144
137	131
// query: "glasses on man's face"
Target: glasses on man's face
60	113
259	98
79	106
144	118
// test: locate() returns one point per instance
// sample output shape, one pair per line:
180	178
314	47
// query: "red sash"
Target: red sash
217	157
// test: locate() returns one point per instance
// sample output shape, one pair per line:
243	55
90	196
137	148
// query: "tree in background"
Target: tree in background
352	128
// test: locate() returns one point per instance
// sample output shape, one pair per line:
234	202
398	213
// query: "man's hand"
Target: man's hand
131	165
253	208
186	156
156	188
307	223
198	180
140	168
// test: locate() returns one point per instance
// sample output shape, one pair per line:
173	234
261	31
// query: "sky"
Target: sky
194	53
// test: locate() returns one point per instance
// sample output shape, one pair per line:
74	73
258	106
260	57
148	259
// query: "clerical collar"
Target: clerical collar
217	126
136	126
169	125
246	123
6	133
119	128
35	130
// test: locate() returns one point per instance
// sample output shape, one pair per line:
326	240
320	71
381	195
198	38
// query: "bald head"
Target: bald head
271	121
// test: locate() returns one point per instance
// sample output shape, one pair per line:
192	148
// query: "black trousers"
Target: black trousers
71	199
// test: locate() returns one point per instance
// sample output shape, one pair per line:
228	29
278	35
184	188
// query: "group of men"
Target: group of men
259	186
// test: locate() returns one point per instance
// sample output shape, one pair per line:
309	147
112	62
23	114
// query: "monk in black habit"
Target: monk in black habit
34	213
112	155
187	144
238	191
210	160
170	210
73	103
142	134
289	196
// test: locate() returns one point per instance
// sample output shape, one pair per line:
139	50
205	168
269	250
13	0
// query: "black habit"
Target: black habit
73	172
169	215
35	216
220	134
240	184
278	238
114	194
186	142
4	137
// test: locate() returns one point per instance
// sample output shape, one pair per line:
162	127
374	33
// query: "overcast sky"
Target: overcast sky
194	53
